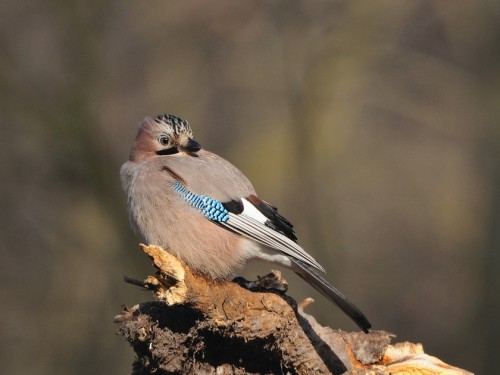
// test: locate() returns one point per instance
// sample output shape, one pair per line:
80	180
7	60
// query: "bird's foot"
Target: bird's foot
272	282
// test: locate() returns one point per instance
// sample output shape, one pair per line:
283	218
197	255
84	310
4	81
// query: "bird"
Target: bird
206	212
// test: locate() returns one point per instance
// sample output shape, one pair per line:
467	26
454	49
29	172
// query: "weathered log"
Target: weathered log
197	325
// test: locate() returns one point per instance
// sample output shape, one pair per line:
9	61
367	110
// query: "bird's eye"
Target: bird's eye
163	141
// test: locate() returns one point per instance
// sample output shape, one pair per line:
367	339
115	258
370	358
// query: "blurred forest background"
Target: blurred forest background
372	125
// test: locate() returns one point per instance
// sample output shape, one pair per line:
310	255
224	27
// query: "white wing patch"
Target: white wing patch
250	211
250	223
254	228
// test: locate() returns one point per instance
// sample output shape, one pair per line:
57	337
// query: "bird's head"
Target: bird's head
163	135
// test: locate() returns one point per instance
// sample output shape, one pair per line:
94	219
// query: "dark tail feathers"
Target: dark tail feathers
324	287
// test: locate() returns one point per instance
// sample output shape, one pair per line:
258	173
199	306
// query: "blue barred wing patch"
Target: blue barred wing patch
210	208
245	224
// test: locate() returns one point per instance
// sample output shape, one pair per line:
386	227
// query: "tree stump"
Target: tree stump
196	325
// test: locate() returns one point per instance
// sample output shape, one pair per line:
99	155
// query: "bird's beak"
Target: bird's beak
192	146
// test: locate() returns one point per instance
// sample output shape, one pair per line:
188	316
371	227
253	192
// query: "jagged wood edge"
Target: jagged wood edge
170	335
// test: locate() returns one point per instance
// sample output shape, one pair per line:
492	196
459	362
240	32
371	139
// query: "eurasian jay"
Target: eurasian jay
203	209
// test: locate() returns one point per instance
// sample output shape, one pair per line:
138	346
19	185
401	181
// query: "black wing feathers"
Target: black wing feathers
235	206
275	220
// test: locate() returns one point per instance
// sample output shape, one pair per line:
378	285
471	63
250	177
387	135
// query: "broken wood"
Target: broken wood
197	325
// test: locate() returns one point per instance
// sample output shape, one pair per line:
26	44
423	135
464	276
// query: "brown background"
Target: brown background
372	125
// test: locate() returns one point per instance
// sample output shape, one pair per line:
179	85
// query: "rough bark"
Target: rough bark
199	326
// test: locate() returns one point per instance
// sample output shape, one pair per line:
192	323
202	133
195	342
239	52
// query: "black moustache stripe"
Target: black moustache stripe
168	151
